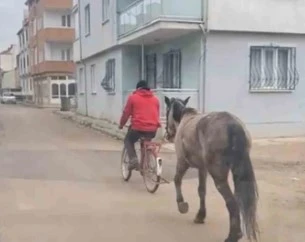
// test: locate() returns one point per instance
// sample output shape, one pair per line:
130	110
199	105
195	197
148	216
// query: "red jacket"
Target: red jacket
144	108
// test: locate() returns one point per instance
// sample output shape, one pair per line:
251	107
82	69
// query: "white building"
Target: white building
245	57
23	59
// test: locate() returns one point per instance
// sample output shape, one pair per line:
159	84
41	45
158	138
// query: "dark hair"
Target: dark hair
142	84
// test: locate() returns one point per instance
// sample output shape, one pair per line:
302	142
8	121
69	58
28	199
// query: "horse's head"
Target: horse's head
174	112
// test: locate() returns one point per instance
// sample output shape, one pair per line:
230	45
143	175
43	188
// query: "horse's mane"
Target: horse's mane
191	111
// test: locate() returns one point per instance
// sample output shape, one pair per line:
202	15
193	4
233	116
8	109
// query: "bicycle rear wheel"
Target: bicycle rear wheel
150	176
126	173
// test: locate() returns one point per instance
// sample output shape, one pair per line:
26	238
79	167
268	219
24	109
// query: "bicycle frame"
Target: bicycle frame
153	147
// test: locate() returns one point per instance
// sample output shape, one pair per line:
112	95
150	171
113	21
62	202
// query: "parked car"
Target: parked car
8	98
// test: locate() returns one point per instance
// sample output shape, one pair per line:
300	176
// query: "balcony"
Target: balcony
57	4
158	19
53	67
62	35
180	93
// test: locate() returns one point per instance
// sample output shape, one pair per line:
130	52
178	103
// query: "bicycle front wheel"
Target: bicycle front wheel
150	175
126	173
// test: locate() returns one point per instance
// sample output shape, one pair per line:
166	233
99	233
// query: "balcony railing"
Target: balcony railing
56	34
143	12
53	67
178	93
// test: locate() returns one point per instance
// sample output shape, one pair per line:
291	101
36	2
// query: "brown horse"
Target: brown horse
215	143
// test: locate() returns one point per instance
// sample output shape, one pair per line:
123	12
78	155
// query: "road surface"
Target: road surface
61	183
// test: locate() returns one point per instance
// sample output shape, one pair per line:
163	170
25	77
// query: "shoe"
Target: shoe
134	164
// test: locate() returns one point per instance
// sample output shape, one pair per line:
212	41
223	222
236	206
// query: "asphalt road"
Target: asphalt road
60	182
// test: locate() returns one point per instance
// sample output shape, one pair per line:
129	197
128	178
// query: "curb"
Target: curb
103	126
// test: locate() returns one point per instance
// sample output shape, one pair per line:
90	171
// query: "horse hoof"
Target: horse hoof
199	221
235	239
183	207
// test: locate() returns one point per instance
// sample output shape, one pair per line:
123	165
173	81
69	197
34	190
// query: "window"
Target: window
92	79
87	20
34	27
24	65
273	68
151	70
55	93
66	20
76	25
26	35
81	80
172	69
35	55
40	57
106	7
71	89
108	82
63	90
39	23
66	55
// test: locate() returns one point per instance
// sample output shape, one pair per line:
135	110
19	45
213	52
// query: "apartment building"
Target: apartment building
23	60
227	55
8	79
51	37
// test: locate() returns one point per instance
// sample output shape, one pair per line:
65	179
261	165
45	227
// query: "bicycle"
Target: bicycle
149	152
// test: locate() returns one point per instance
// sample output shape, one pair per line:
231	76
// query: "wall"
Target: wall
131	67
101	104
96	41
227	77
8	59
9	80
190	57
285	16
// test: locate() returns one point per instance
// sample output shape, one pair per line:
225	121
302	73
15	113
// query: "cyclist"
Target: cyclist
144	108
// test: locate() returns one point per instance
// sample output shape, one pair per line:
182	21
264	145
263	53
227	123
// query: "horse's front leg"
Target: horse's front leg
201	192
181	169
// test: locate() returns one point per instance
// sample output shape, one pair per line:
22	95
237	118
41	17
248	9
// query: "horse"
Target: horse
214	143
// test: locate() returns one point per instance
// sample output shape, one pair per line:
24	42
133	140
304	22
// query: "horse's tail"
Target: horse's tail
246	191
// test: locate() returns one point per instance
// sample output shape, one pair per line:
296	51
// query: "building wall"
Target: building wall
8	59
100	103
96	41
23	64
131	61
227	84
285	16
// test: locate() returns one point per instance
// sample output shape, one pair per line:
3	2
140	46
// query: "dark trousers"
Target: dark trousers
132	137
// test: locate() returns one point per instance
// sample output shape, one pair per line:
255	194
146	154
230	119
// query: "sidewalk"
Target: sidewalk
266	149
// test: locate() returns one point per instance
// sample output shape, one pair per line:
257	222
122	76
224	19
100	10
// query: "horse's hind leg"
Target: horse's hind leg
181	169
220	177
201	192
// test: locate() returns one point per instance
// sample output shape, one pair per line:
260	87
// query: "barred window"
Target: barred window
273	68
172	69
108	82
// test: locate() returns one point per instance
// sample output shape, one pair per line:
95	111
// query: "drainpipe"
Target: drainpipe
202	82
142	62
81	55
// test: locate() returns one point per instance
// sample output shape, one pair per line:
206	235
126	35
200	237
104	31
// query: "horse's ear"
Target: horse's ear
167	101
186	100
